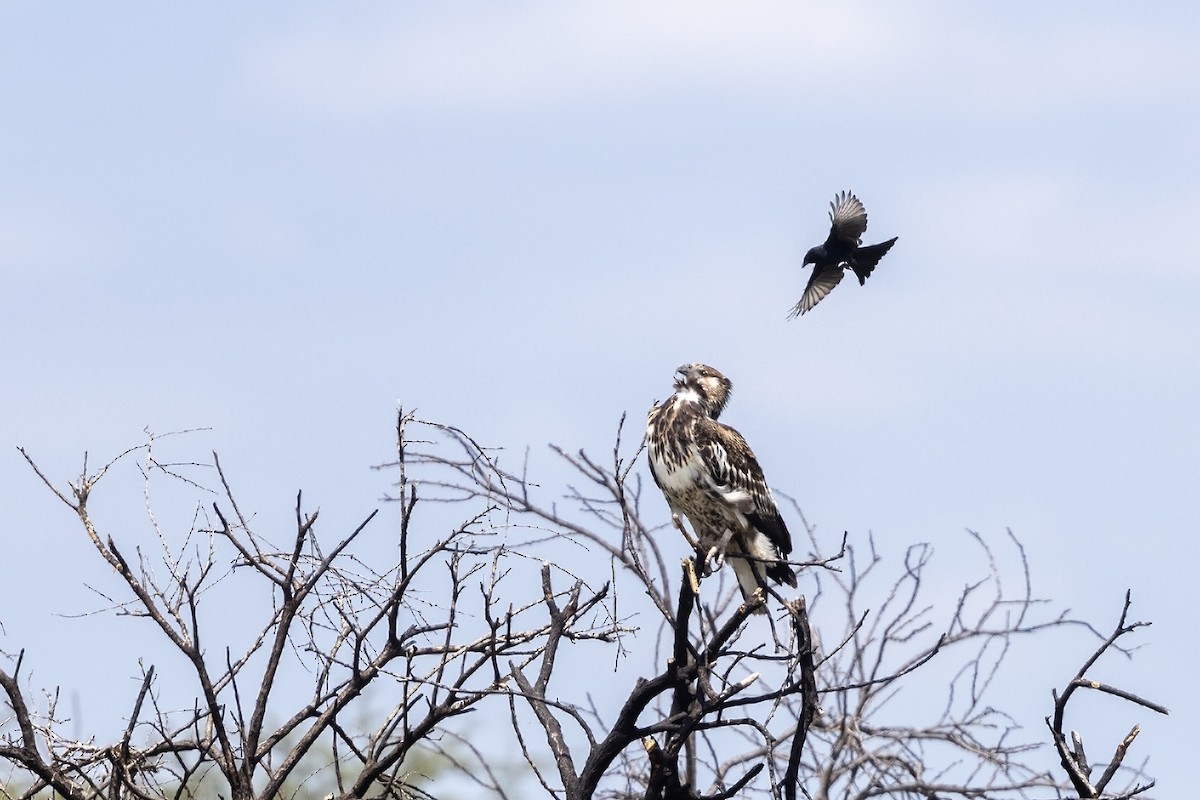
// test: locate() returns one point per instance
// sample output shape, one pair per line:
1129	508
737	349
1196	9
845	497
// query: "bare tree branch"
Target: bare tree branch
1072	757
364	668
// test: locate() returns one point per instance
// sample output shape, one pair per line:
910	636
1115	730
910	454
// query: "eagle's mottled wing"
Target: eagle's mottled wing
658	447
849	218
652	434
820	284
739	480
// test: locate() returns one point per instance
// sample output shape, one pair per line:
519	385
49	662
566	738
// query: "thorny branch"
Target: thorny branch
352	629
368	649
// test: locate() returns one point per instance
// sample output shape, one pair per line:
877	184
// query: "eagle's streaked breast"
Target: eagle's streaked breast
708	474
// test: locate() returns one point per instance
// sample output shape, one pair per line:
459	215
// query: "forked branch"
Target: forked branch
1073	757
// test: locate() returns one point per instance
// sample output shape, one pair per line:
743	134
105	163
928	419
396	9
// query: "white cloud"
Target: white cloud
517	56
509	56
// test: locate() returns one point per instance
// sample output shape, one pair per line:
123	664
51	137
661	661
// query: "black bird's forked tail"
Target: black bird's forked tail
865	258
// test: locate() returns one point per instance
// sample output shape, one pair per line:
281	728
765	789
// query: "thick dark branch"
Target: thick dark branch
808	694
554	733
1073	760
227	757
123	760
1084	683
535	693
27	754
292	607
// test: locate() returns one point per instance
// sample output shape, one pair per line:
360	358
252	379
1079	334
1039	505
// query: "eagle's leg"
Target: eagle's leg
687	536
716	553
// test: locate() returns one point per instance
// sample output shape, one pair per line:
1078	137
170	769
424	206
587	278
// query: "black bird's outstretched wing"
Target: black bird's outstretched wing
849	219
820	283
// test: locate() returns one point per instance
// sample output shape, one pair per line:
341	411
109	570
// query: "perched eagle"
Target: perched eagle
709	474
842	248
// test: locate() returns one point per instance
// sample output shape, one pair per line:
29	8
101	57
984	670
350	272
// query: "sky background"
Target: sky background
278	223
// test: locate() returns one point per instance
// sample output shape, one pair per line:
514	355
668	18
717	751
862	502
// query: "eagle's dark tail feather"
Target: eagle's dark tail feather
865	258
782	573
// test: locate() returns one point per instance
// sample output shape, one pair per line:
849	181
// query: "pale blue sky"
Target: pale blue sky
519	218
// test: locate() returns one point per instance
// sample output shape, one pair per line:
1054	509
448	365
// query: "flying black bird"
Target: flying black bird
708	473
842	249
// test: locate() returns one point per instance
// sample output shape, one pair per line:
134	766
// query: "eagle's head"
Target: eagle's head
710	388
